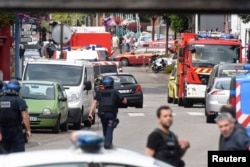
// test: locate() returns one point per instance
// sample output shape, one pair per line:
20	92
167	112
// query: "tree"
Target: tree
245	18
167	21
153	18
179	23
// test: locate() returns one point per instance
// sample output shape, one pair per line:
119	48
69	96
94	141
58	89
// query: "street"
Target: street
136	124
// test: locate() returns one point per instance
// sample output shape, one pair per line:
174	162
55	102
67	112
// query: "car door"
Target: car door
138	56
63	103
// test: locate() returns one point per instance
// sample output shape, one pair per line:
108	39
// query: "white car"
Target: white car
88	151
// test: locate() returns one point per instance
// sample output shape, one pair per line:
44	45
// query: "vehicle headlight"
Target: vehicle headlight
74	96
46	111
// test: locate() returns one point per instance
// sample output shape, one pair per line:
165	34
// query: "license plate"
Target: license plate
124	91
33	118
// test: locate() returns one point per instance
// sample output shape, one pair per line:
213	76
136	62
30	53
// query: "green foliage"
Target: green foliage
68	18
179	23
245	18
169	68
7	18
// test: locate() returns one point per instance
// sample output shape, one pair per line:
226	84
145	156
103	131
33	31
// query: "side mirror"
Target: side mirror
88	85
181	52
62	98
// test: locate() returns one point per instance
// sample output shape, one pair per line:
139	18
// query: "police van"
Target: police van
77	79
239	97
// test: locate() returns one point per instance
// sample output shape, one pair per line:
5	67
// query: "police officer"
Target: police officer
13	114
162	143
108	100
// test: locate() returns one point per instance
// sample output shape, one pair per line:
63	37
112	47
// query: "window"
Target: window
224	85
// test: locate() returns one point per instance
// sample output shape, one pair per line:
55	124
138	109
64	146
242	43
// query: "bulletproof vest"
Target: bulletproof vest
169	151
9	115
108	100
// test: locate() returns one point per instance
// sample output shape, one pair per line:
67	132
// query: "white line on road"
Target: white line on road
195	113
136	114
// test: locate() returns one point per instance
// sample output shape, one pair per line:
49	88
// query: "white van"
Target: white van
77	79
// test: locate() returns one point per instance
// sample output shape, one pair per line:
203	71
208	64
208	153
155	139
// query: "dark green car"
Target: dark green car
47	105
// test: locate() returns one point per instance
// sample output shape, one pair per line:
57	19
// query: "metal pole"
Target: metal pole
61	41
196	23
17	50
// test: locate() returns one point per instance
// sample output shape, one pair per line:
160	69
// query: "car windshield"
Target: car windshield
67	75
100	69
215	54
231	72
37	91
124	79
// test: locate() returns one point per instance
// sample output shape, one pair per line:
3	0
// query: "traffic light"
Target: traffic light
44	34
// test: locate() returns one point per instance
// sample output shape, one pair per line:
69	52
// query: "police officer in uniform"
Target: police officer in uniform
108	100
163	144
13	114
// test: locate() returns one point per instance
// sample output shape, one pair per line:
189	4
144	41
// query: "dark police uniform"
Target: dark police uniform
11	106
107	110
166	147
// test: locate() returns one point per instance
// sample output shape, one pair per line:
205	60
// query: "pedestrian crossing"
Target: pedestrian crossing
141	114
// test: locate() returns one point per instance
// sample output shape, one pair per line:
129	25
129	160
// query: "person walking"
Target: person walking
107	100
162	143
234	139
13	114
121	43
115	42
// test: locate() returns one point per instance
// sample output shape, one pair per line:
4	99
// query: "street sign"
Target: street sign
25	39
66	34
27	33
28	29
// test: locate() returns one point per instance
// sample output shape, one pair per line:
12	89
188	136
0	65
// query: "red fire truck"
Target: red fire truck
83	39
198	53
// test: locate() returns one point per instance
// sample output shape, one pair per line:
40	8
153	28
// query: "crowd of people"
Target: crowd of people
123	42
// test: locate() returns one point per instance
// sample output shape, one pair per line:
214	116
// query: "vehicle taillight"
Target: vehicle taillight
138	89
218	92
232	100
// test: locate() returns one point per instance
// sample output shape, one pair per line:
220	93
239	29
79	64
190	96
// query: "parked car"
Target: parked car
172	86
139	56
216	97
86	151
48	106
127	85
225	70
76	78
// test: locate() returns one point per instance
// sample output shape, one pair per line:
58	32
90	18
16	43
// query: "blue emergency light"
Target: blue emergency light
215	35
90	142
246	67
92	47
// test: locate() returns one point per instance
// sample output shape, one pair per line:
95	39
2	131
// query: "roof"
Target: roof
116	74
58	62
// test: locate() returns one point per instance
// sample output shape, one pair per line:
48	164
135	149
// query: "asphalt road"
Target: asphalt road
136	124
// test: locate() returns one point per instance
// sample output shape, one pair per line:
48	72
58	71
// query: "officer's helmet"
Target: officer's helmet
108	82
13	84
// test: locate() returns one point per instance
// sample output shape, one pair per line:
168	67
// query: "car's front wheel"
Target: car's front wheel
124	61
64	126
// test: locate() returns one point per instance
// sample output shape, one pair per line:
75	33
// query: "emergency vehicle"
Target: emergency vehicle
239	97
101	67
194	71
92	38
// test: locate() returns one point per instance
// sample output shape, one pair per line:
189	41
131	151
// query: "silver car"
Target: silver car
217	96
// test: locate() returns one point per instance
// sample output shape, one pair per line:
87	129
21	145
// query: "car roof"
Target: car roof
229	65
116	74
77	155
39	82
58	62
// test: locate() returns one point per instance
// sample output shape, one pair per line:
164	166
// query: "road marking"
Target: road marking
136	114
195	113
